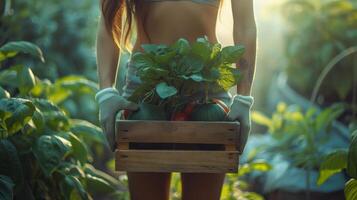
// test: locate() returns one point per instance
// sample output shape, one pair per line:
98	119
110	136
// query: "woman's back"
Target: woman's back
166	21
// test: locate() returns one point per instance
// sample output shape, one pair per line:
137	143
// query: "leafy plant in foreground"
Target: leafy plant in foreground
44	153
172	73
298	135
341	159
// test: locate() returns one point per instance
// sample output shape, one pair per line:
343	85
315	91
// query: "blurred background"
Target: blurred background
304	117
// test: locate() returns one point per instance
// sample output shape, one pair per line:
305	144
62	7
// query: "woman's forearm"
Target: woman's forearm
245	32
247	62
107	54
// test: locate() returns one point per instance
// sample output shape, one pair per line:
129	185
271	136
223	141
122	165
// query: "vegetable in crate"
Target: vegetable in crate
172	74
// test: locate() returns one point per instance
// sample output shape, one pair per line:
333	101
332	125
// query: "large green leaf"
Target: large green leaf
231	54
164	90
10	164
76	84
142	60
228	77
6	188
188	65
202	49
9	76
332	164
79	148
351	189
87	131
10	49
54	117
352	156
50	150
16	112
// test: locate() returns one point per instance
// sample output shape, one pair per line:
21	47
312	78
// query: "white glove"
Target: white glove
240	110
110	103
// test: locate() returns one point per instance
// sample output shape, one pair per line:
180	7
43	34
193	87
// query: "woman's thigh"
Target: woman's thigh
149	185
202	186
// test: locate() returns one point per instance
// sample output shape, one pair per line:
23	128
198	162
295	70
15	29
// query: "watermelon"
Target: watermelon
211	111
148	111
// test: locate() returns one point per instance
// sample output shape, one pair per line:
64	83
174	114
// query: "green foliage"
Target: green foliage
12	48
170	73
351	189
352	156
319	30
236	188
59	29
298	134
44	153
332	164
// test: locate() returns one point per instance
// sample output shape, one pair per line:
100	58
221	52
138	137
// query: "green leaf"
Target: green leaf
50	150
258	165
4	93
113	182
87	131
73	84
228	77
142	60
10	164
151	74
352	156
188	65
78	186
11	48
6	188
164	90
155	49
202	48
332	164
231	54
261	119
9	77
351	189
54	117
197	77
79	149
16	112
181	46
26	80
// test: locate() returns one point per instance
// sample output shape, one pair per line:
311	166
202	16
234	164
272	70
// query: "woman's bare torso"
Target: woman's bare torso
167	21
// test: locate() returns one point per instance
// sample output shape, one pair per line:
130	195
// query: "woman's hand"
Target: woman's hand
110	103
240	110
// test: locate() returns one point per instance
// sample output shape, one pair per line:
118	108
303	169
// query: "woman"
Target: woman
163	22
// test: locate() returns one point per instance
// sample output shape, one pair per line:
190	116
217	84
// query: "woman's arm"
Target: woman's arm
245	32
107	56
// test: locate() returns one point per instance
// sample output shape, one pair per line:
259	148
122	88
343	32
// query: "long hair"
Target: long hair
114	11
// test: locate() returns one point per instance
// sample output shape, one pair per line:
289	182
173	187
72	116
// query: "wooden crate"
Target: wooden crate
178	132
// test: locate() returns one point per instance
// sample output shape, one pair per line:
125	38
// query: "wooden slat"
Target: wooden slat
177	161
177	131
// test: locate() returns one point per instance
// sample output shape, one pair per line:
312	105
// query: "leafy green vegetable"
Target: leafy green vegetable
182	69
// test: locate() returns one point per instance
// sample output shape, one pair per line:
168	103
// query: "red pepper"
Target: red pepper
189	107
180	116
126	113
